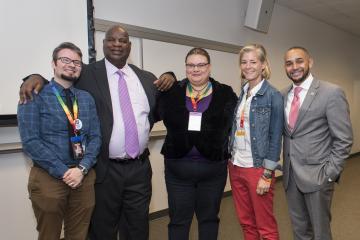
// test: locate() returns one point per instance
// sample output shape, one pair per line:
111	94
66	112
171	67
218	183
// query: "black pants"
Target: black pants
125	192
194	186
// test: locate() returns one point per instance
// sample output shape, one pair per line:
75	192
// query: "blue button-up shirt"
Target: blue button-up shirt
43	127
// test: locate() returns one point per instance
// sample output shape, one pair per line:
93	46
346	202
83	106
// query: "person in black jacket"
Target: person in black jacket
197	114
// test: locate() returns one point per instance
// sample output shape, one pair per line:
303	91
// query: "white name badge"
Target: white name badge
194	121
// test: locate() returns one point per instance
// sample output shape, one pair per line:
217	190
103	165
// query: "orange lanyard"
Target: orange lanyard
242	116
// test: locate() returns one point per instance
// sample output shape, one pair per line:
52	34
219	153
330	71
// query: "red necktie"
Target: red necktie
295	106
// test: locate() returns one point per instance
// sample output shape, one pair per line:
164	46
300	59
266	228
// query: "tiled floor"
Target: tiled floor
345	209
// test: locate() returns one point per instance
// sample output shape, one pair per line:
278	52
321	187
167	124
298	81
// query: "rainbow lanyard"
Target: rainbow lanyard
69	115
194	101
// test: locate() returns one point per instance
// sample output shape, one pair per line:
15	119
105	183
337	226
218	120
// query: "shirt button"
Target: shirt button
255	98
253	125
253	110
254	138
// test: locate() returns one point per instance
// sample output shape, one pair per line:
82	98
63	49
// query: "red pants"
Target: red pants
255	212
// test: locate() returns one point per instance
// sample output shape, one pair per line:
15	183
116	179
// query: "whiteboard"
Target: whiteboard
30	30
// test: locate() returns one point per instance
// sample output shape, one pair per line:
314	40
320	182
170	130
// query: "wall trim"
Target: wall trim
163	36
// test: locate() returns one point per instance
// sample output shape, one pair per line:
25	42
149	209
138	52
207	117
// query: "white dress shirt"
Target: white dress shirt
140	105
305	85
242	157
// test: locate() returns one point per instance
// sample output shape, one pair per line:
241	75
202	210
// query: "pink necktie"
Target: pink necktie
295	106
131	133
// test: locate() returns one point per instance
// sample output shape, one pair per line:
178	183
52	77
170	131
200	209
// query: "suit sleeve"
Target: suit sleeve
338	117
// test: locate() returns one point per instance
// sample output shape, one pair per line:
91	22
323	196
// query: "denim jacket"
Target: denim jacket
266	126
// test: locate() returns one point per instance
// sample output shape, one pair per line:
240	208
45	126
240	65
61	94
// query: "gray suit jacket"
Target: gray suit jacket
94	80
321	139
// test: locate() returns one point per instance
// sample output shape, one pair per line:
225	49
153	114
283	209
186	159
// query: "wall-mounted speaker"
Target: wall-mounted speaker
258	14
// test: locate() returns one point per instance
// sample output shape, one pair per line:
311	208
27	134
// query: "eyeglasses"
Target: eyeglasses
191	66
66	60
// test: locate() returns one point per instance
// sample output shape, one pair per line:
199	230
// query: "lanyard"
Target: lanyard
242	116
69	115
194	101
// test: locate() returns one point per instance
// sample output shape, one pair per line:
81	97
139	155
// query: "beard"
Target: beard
300	80
69	78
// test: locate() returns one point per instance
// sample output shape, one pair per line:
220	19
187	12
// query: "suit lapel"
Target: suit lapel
307	102
286	95
103	84
147	85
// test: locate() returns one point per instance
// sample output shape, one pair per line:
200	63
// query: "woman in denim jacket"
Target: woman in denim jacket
255	144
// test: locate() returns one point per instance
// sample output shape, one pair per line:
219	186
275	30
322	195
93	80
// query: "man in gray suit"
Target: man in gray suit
317	140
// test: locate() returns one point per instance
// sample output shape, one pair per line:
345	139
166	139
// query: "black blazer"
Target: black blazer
94	80
212	140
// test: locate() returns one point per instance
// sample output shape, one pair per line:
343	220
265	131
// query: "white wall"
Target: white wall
335	53
210	19
17	219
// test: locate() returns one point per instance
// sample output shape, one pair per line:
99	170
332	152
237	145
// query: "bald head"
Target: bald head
118	28
117	46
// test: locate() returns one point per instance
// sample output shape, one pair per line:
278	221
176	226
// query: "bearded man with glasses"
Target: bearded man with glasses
60	132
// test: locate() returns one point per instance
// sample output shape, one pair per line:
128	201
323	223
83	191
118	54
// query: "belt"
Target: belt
141	157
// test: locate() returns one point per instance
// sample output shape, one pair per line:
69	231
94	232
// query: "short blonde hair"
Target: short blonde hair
262	56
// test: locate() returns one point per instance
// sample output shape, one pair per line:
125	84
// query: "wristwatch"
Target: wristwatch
267	174
83	169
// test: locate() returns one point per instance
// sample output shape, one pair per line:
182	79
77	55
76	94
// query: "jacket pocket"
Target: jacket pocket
315	160
262	116
263	110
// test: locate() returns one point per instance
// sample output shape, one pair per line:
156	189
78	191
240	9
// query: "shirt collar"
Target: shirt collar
255	89
112	69
305	84
61	88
